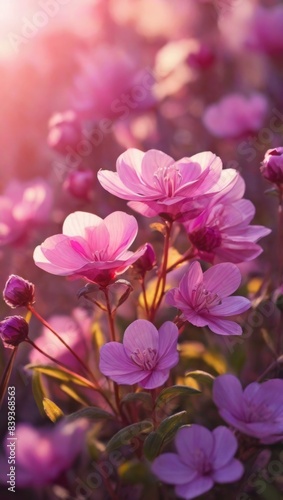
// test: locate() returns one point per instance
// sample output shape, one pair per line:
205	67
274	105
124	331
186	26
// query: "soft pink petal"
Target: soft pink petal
168	337
129	168
230	306
192	438
153	161
229	473
156	378
228	394
98	238
225	446
196	487
145	209
123	229
76	223
58	252
223	326
115	363
111	182
190	280
169	468
141	334
222	279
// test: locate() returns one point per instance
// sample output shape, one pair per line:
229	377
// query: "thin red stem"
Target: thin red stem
161	281
6	375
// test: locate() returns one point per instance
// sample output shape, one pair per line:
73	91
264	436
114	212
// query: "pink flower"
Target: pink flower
22	206
202	459
272	165
145	357
79	183
90	247
75	330
265	29
44	454
157	185
64	130
222	233
257	411
203	297
235	115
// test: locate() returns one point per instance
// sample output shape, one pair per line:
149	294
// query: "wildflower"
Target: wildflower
18	292
256	411
203	297
13	331
202	459
157	185
145	357
90	247
272	166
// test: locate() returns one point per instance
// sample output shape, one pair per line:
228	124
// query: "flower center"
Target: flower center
202	464
203	299
146	359
258	413
168	179
206	238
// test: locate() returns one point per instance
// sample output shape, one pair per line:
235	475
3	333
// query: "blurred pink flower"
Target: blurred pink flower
272	165
145	357
203	297
257	411
90	247
80	183
236	114
64	130
23	205
265	29
44	454
222	233
75	330
157	185
202	459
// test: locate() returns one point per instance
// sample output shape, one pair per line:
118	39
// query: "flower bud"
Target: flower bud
146	262
272	165
13	331
18	292
79	184
64	130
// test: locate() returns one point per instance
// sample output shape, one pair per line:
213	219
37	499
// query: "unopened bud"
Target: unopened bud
18	292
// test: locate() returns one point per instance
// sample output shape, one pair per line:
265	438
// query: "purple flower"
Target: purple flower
90	247
157	185
202	459
13	331
203	298
44	454
18	292
257	411
272	165
145	357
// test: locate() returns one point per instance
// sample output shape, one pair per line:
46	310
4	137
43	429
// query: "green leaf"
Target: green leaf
133	472
172	392
92	413
133	397
126	435
52	410
60	374
38	391
166	431
201	376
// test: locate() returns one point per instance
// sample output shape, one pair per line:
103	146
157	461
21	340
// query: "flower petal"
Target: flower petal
230	306
228	394
168	337
169	468
57	251
141	334
223	326
156	378
229	473
196	487
222	279
225	446
115	363
192	438
77	222
122	229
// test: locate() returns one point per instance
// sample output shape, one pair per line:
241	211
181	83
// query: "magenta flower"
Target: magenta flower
90	247
145	357
257	411
13	331
157	185
272	166
202	459
44	454
79	183
235	115
223	233
18	292
64	131
202	297
264	30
